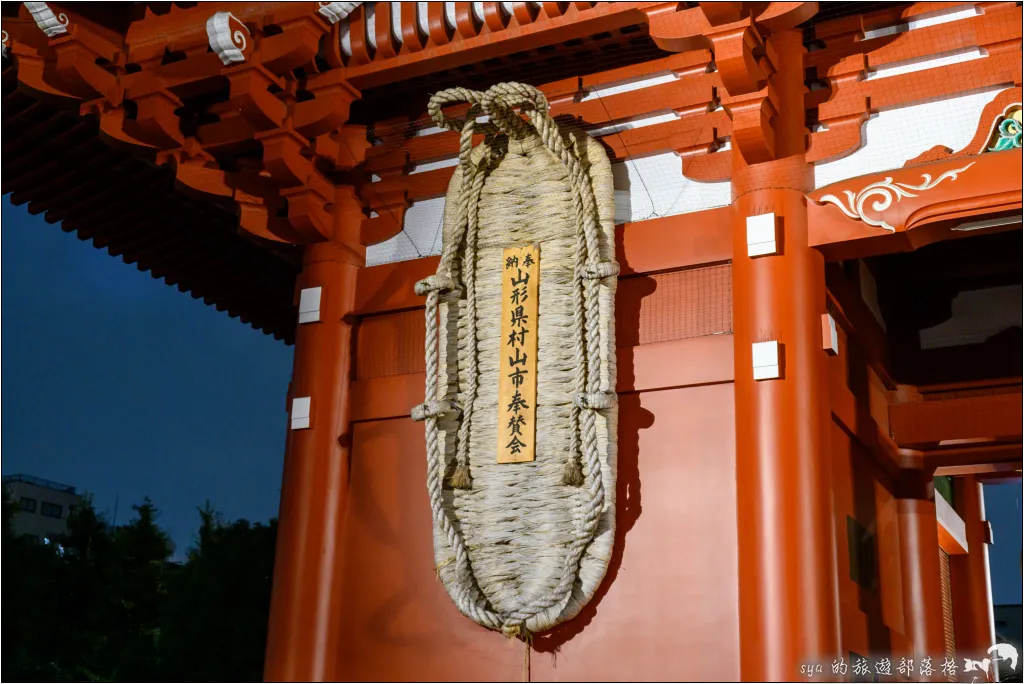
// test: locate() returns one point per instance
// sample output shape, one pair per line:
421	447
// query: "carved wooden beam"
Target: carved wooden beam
846	96
907	208
164	94
388	198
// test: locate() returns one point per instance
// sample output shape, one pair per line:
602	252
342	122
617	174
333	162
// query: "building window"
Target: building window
861	545
51	510
27	505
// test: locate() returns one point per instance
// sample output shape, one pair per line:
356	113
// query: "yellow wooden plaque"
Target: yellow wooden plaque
517	367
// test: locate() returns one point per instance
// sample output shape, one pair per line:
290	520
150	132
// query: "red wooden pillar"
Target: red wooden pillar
305	607
919	568
971	584
787	582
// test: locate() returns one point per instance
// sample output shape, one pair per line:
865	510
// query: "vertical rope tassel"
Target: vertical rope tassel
527	646
572	476
461	479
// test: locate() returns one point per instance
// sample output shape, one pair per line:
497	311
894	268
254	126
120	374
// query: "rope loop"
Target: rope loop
467	123
453	96
596	401
434	283
499	104
602	269
431	409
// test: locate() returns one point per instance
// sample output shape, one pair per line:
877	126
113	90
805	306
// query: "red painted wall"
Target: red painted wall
667	610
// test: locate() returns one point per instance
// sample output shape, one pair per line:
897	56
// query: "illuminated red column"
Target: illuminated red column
973	614
787	581
919	568
305	607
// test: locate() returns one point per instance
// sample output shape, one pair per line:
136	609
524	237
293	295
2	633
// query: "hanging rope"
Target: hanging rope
593	391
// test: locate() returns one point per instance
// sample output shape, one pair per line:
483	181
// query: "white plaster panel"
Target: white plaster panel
653	187
627	86
646	188
894	136
420	237
434	165
619	125
924	63
953	12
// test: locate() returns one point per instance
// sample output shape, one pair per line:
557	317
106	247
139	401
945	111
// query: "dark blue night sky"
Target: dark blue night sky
122	386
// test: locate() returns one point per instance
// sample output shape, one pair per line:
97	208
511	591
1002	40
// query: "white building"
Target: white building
42	506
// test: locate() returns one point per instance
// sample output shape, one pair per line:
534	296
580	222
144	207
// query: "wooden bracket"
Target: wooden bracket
734	32
283	157
752	129
390	201
329	108
77	70
155	122
250	94
737	48
296	46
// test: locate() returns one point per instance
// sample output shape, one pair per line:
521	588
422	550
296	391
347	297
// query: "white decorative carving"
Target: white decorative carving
336	11
886	191
51	24
228	37
6	38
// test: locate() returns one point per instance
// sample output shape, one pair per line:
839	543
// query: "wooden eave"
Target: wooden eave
55	163
58	163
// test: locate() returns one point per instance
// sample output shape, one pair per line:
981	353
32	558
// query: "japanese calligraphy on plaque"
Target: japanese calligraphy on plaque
517	367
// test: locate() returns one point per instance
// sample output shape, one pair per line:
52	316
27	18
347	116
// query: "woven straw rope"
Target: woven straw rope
522	547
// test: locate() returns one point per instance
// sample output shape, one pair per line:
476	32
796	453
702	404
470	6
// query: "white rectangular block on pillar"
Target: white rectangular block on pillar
309	305
761	235
765	357
829	335
301	413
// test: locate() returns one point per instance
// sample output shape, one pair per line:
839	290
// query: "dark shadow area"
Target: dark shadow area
866	557
952	309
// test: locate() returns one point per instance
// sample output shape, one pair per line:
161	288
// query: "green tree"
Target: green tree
215	623
86	594
29	605
106	604
142	550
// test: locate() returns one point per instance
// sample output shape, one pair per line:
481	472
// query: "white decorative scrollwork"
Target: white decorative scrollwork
6	38
51	24
336	11
228	37
886	191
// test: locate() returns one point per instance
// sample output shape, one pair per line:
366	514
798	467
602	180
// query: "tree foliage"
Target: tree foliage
228	573
107	603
